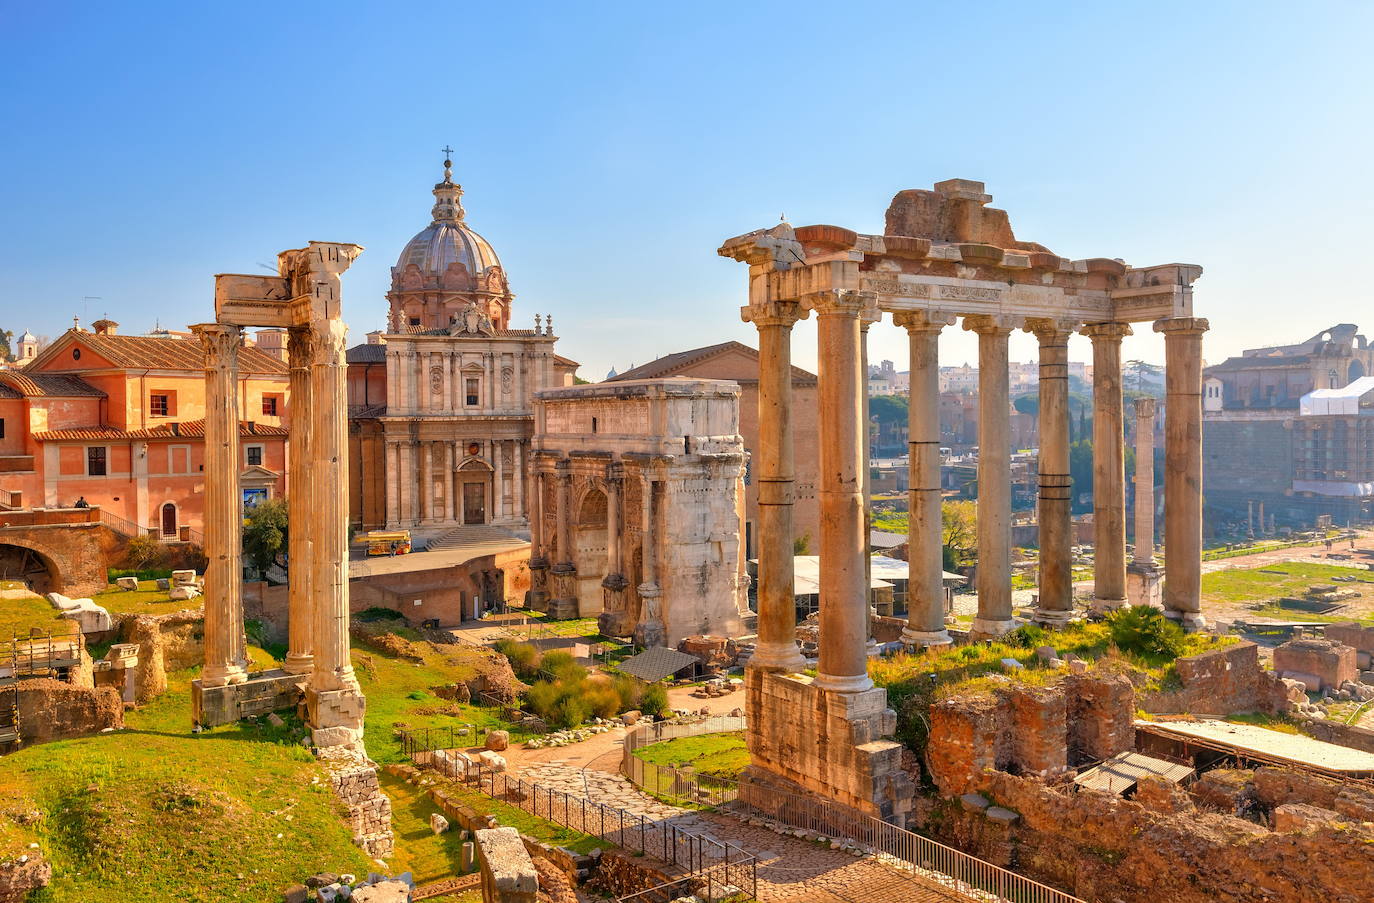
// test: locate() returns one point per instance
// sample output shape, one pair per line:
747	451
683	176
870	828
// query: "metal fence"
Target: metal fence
709	886
675	784
697	854
428	739
896	846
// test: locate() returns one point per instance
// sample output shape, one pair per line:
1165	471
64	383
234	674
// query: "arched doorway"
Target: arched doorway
589	552
474	491
169	519
33	569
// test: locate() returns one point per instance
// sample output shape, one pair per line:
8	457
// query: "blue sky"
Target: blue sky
607	149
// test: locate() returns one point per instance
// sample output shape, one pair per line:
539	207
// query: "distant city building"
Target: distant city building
1288	433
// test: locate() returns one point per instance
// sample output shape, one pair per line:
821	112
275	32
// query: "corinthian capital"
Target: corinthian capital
221	344
1182	326
298	347
992	324
773	313
328	342
839	303
1050	331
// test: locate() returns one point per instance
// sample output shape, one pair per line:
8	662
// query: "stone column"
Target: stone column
843	666
498	480
867	317
1183	468
539	550
426	453
518	478
650	631
994	476
1055	503
776	649
393	381
393	484
334	701
564	571
1144	481
1109	467
613	620
447	382
925	588
226	655
300	508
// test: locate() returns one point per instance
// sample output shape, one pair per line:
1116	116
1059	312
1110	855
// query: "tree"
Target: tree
1027	404
6	352
264	532
959	532
144	552
888	408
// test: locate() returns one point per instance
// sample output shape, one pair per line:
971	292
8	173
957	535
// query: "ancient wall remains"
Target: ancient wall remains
1029	730
54	710
1102	847
353	777
1317	663
19	879
1221	682
169	642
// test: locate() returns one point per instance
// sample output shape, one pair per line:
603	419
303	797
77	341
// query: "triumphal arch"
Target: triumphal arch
305	300
945	257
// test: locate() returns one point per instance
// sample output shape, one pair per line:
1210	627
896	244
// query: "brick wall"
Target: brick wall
1221	682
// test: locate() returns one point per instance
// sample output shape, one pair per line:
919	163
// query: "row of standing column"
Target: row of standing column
317	503
844	584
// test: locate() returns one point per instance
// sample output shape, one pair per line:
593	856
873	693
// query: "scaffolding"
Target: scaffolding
37	655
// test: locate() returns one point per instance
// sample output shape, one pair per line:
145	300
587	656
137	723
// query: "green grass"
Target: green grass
155	813
1270	581
718	755
428	856
511	816
1259	719
147	600
17	616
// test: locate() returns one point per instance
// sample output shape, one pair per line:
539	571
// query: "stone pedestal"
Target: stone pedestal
539	584
1144	585
811	741
615	619
650	631
563	604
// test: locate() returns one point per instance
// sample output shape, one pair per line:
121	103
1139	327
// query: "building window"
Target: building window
2	427
414	321
269	405
157	405
253	455
471	389
95	461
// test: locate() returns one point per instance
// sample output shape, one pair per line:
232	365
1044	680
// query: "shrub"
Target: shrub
603	701
1143	630
654	701
1027	636
629	690
523	658
561	664
144	552
542	697
571	711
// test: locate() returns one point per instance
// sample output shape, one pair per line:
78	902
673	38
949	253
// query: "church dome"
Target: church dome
448	239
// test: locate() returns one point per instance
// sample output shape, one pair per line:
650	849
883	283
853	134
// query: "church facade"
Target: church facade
441	404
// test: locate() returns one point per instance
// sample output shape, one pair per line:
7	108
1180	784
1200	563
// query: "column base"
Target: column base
1145	586
1105	606
223	675
298	663
1053	617
850	683
650	633
1191	621
926	638
992	627
783	657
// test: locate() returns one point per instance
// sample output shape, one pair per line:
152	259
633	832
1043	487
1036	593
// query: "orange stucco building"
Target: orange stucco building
120	421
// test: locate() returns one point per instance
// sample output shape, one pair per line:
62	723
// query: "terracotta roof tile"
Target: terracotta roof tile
58	385
188	429
168	353
673	364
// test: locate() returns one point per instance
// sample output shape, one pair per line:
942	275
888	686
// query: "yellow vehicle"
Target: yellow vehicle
388	542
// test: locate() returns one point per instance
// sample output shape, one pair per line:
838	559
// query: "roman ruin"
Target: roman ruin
638	494
1143	575
945	255
305	299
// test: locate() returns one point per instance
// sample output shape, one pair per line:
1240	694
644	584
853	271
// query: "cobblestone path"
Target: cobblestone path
790	869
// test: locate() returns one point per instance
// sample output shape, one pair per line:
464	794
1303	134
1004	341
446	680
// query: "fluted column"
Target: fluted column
335	701
1144	482
498	481
450	504
867	317
994	476
925	588
1055	502
776	649
1109	467
1183	468
393	484
843	666
300	508
539	550
518	478
226	657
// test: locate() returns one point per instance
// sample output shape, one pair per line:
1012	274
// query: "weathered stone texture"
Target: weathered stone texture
168	642
1227	790
1221	682
508	873
1331	662
53	710
1038	729
1101	718
19	879
353	778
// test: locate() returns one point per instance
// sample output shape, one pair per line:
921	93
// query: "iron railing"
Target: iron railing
707	886
675	784
696	854
428	739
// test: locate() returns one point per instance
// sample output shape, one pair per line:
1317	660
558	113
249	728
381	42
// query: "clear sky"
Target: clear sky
607	150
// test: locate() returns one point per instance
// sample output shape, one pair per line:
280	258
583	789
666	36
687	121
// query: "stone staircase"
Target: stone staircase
469	536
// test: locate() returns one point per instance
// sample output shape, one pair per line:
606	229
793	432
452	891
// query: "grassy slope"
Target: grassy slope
719	755
1292	579
18	615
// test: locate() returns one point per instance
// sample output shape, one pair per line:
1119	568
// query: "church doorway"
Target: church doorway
474	502
589	552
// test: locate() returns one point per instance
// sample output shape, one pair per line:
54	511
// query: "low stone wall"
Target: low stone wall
353	777
53	710
508	873
1320	664
1341	734
621	874
1221	682
1028	729
1102	847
